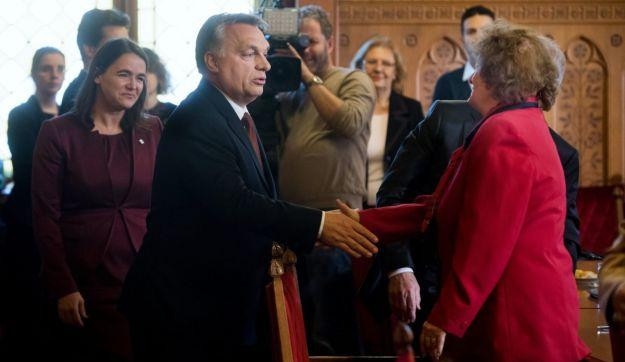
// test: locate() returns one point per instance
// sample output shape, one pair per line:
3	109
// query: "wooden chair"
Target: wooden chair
288	331
285	308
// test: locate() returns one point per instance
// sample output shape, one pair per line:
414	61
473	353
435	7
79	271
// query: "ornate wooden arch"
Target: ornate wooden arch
444	54
581	109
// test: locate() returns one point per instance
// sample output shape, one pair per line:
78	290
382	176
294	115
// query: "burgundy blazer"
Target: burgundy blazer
507	288
73	206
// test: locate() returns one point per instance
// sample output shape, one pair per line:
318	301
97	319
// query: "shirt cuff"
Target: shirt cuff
323	219
400	271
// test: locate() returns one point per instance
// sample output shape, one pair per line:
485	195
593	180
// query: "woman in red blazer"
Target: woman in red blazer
92	176
507	289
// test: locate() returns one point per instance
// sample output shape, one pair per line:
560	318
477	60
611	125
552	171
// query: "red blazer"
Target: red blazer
507	287
73	207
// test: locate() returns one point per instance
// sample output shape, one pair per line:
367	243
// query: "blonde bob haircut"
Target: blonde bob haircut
517	63
382	42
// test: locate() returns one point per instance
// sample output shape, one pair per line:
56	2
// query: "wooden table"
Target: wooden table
591	317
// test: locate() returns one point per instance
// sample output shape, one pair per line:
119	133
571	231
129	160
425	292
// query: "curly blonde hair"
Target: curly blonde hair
516	63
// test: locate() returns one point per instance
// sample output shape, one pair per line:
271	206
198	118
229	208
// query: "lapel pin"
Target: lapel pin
141	141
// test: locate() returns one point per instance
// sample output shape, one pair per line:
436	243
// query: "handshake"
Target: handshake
342	229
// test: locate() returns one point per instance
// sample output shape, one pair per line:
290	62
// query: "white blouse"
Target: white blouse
375	155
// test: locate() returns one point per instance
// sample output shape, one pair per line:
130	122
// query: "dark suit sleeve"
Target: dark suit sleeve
442	89
47	193
68	101
409	167
21	143
571	225
417	115
210	165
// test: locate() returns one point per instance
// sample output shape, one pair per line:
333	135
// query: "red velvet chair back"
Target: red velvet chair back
599	216
285	309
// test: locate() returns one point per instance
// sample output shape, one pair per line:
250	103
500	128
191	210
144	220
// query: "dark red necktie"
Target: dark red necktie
250	128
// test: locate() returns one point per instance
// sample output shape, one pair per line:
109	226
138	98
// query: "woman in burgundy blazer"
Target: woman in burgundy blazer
92	176
507	289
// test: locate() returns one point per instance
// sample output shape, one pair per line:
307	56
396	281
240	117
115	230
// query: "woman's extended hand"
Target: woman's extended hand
348	211
71	309
432	340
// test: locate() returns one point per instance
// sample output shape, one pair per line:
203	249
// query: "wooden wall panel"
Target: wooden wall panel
590	111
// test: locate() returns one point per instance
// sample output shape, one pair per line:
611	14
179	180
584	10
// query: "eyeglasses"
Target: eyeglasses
374	62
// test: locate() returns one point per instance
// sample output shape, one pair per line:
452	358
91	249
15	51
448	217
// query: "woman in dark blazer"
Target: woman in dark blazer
394	115
20	256
92	177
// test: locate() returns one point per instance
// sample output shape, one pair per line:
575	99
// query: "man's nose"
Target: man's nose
264	64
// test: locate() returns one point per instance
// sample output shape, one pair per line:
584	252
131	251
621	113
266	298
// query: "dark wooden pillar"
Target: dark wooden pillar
130	8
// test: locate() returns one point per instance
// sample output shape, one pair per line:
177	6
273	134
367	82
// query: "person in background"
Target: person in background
454	85
21	259
324	157
158	83
92	179
394	115
96	27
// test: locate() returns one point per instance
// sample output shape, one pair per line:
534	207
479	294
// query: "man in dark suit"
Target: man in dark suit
455	84
194	292
416	170
96	27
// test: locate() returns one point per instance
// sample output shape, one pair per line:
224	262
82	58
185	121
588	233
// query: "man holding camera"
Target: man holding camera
324	158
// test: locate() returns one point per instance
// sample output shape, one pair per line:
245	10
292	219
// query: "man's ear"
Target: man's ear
331	44
211	61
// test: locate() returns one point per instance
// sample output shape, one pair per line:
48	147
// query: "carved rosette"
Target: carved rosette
581	109
444	55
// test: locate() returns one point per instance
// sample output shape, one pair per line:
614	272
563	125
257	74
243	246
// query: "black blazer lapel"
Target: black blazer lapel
221	104
398	119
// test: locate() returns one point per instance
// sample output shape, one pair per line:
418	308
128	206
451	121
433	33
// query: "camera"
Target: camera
285	73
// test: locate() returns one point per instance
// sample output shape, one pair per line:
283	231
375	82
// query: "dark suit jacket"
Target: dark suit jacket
24	123
69	97
214	216
404	115
73	207
421	161
450	86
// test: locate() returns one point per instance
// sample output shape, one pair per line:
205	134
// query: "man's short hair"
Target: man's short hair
91	25
316	12
211	35
475	10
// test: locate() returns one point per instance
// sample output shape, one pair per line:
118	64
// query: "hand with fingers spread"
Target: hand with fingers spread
345	233
432	341
72	310
404	296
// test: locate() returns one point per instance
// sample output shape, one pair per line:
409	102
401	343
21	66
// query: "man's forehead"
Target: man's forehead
245	36
477	21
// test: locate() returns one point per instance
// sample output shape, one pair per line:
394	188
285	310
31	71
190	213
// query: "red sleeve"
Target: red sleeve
394	223
47	193
499	178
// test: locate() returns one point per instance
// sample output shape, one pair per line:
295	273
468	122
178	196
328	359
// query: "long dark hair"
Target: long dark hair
107	55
